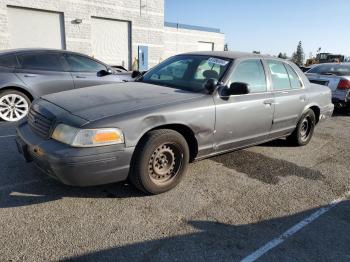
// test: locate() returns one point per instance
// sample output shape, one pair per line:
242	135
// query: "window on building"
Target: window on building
252	73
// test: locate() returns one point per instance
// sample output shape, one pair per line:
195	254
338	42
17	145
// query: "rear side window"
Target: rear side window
252	73
8	61
280	78
293	77
46	62
83	64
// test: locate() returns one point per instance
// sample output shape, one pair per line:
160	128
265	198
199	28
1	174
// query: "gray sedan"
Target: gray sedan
26	74
189	107
337	77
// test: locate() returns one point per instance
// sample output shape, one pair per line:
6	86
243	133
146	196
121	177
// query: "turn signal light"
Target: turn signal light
344	84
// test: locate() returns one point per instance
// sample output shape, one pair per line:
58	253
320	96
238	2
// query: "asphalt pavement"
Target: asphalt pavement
270	202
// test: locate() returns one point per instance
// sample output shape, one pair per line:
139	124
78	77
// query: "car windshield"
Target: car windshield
187	72
331	69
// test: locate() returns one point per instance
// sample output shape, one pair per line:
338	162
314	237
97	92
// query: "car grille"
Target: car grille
39	124
320	82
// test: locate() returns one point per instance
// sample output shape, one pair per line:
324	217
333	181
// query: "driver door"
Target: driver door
242	120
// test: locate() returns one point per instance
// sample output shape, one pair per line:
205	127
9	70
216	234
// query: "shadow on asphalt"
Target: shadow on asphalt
263	168
325	239
48	190
254	165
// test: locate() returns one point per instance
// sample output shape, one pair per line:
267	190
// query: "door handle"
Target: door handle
269	102
29	75
80	77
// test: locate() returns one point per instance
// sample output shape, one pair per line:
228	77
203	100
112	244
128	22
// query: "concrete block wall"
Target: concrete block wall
145	16
180	40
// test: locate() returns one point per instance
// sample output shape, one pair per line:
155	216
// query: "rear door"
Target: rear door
44	72
290	97
86	71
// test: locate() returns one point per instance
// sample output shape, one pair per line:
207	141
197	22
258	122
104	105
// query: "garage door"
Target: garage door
35	28
205	46
111	41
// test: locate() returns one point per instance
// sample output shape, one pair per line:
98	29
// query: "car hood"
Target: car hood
97	102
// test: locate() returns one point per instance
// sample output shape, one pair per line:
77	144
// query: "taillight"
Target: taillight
344	84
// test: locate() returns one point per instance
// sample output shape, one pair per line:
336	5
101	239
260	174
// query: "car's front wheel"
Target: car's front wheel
304	130
14	105
160	161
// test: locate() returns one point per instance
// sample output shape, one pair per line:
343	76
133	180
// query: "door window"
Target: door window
252	73
280	78
8	61
295	82
44	61
83	64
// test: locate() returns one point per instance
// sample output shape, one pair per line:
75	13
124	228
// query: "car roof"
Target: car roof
20	50
231	54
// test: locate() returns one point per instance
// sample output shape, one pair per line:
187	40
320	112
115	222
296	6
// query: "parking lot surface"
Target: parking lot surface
226	209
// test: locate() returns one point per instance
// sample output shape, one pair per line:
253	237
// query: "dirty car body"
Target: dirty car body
172	96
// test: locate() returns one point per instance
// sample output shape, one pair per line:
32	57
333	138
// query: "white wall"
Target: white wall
179	40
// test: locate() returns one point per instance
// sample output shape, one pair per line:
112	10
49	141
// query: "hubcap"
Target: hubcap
305	129
164	163
13	107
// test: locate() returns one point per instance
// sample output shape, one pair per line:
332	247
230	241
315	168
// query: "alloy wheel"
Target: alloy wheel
13	107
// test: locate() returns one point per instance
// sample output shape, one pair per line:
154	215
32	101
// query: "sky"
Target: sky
270	26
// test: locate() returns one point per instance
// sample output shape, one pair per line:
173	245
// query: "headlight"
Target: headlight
87	137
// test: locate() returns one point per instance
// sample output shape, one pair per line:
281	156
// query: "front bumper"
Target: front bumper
74	166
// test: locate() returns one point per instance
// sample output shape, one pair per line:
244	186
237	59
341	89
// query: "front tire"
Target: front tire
160	161
304	131
14	105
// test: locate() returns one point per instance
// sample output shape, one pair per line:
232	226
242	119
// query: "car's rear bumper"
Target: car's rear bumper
74	166
326	112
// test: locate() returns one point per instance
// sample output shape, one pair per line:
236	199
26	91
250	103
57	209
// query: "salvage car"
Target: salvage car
26	74
189	107
337	77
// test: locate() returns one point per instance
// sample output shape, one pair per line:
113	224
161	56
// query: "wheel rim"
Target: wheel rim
13	107
165	163
305	128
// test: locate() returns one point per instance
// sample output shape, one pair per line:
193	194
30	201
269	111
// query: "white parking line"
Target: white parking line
7	136
294	229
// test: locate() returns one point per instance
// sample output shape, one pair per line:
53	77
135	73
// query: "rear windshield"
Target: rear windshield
333	69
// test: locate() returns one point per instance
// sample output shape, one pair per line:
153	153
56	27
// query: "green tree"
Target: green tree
256	52
282	55
298	56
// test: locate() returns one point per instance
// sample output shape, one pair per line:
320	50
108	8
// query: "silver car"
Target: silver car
189	107
337	77
26	74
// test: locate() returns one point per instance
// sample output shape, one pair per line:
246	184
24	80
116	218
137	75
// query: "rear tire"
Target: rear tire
14	105
304	131
160	161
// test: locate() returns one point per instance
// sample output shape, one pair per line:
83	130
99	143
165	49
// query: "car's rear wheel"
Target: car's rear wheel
160	161
304	130
14	105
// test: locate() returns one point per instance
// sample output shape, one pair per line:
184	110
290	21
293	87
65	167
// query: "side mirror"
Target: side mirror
210	85
105	72
238	88
135	74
